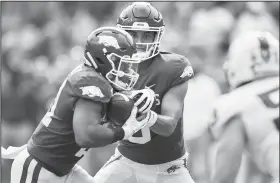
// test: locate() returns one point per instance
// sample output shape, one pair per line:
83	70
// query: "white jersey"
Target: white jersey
257	104
198	105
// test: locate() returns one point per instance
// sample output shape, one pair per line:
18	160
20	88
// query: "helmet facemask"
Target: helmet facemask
123	74
147	50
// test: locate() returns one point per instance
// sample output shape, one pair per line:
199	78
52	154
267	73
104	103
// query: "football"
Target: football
136	97
121	105
119	108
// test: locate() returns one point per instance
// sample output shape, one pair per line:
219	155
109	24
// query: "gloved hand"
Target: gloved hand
147	96
133	124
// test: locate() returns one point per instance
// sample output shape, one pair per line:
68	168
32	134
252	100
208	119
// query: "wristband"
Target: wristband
118	134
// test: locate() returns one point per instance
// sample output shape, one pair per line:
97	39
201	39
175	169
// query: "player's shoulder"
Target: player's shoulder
89	84
235	103
242	101
176	63
247	96
174	58
227	107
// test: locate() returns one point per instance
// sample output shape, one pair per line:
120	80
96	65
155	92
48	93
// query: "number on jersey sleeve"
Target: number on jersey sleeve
271	101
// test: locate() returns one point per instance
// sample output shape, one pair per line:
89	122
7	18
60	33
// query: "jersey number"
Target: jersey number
144	138
48	116
271	101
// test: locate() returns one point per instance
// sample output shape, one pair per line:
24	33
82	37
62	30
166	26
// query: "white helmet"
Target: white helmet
252	55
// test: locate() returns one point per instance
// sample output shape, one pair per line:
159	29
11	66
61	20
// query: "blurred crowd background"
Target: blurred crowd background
43	41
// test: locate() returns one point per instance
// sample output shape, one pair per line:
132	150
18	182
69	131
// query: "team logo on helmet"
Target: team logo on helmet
109	41
92	91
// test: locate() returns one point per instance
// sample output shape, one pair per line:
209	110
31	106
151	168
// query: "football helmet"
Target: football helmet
252	55
112	52
142	16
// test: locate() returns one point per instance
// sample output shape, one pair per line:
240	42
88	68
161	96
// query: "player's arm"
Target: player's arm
89	132
179	71
171	110
229	152
92	92
87	125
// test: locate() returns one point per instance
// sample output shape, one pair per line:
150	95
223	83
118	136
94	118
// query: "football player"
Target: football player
74	122
156	153
247	118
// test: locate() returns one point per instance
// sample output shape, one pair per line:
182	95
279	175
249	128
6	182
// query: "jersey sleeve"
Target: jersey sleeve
88	84
181	71
224	110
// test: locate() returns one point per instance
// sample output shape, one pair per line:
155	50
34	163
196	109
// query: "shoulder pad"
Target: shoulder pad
180	65
186	68
87	83
178	68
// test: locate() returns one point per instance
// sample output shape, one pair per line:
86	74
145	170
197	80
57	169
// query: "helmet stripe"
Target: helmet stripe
92	60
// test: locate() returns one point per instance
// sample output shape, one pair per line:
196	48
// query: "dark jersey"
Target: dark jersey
53	142
146	147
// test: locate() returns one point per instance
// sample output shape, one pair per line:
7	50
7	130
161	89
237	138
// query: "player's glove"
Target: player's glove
133	124
147	96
